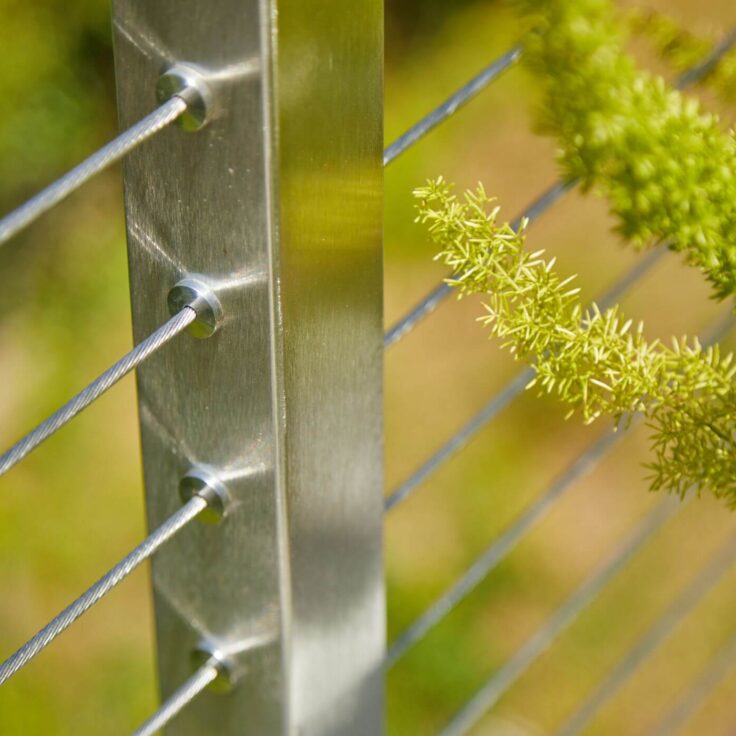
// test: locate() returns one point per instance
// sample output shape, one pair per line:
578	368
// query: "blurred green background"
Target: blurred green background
75	506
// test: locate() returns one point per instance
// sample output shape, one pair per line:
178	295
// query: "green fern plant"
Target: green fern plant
666	167
596	362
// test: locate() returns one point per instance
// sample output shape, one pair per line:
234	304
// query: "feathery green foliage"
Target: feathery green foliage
596	362
666	167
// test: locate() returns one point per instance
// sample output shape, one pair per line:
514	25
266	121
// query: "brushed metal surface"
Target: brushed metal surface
277	203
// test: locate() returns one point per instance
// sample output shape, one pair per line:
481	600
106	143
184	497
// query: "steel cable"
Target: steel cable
175	523
490	558
719	565
432	300
452	104
691	701
502	680
178	700
500	547
24	215
94	390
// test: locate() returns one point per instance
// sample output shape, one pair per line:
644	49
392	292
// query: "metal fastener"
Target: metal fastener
201	482
195	293
207	653
188	82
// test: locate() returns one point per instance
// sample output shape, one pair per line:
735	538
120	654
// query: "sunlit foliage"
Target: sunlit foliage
597	362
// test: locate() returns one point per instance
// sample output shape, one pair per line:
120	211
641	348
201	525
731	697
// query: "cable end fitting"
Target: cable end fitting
189	83
193	292
208	654
202	483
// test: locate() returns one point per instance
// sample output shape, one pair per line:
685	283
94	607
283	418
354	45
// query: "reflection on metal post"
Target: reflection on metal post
275	204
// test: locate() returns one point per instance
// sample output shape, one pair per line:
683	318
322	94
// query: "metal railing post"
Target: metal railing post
272	210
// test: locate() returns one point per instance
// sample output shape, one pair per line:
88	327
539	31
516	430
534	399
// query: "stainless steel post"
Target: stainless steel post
276	205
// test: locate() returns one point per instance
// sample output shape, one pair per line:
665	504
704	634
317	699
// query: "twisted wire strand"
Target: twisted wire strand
178	700
94	390
509	392
24	215
175	523
501	681
719	565
431	301
452	104
691	701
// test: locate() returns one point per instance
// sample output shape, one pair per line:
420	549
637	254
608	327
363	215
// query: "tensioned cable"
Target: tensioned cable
565	615
496	552
173	705
94	390
492	72
452	104
719	565
499	548
691	701
509	392
174	524
432	300
24	215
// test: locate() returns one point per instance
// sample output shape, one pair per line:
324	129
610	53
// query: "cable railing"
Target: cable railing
502	680
87	396
692	700
450	106
216	419
543	202
203	677
491	692
192	306
23	216
178	521
716	568
497	551
563	617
